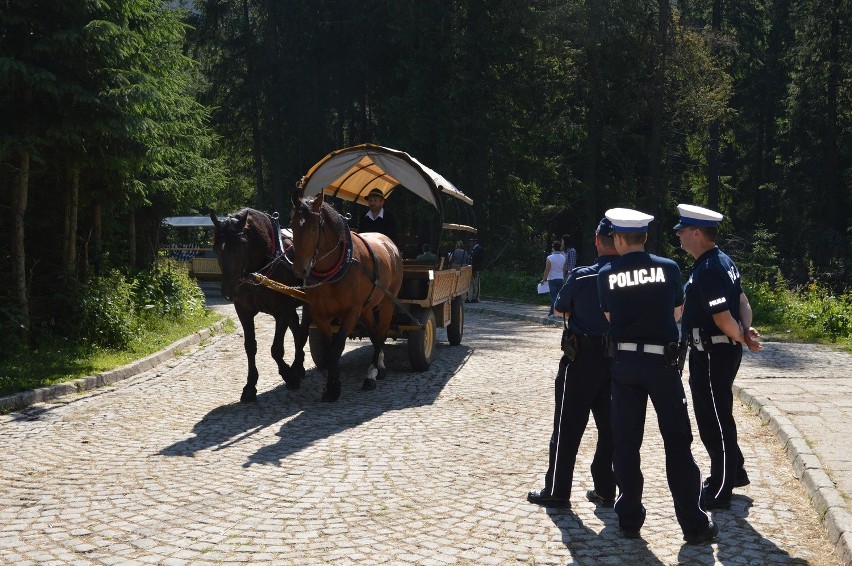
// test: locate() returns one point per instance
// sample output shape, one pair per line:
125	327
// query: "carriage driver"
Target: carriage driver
716	322
642	296
377	218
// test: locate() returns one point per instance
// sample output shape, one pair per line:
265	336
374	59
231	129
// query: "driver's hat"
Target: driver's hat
376	193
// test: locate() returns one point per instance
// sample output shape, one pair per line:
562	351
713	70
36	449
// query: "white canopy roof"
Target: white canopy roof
352	172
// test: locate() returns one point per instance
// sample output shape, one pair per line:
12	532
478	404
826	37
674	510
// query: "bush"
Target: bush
167	290
108	311
510	286
813	312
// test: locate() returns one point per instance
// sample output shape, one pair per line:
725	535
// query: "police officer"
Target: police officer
716	321
642	296
583	384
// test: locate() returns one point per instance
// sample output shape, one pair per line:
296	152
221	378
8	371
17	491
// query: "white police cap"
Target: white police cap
691	215
628	220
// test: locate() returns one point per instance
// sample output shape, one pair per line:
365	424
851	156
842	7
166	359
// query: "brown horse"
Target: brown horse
246	242
349	278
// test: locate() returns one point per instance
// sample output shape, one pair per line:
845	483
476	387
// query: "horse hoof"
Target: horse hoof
293	384
331	393
248	397
369	384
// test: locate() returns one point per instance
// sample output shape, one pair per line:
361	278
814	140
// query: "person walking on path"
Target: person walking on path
570	255
477	264
642	297
583	385
716	322
553	272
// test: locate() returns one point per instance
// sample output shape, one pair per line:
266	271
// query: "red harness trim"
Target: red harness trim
333	270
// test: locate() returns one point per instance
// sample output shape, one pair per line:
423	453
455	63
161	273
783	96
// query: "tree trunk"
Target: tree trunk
655	191
254	82
97	244
69	261
593	127
131	239
19	259
713	184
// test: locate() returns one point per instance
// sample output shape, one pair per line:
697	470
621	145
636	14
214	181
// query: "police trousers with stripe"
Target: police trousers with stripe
711	376
582	386
636	377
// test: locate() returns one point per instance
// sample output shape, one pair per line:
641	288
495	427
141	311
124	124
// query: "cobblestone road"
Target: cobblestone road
431	468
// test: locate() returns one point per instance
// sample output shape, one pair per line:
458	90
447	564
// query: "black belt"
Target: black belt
590	338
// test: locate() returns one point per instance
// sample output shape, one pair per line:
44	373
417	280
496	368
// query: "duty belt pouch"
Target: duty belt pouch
569	344
682	349
671	351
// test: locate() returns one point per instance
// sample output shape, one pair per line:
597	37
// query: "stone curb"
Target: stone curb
808	469
42	394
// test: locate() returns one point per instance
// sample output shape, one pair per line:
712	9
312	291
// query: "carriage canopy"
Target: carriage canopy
352	172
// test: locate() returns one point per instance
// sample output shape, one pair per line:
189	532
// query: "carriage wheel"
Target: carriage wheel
421	343
317	347
455	330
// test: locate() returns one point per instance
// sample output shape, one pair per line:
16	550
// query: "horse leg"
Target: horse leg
377	368
277	349
333	354
250	343
299	329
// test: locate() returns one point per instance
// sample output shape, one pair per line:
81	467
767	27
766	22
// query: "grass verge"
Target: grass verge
60	361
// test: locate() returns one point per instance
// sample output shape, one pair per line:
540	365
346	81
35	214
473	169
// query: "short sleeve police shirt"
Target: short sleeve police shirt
640	292
579	296
714	286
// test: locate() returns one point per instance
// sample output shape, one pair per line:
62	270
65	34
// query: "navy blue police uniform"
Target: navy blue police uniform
640	291
583	385
713	287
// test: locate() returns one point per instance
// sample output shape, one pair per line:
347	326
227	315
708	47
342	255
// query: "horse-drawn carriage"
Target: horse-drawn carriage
354	285
432	293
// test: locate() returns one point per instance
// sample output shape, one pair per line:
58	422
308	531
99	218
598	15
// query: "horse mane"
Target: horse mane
258	227
335	218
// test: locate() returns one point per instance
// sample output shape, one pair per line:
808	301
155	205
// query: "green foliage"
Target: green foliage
811	313
509	286
167	290
108	315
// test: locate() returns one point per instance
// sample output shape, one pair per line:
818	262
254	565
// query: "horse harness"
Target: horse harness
346	260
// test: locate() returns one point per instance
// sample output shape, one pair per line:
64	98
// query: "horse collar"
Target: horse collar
341	267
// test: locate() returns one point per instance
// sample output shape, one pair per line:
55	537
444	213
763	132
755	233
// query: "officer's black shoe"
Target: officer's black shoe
598	499
630	533
705	535
540	497
741	481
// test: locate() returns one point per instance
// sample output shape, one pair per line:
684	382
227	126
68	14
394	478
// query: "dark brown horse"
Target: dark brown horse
246	242
349	278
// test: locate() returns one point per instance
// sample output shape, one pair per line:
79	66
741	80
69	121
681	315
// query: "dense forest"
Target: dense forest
116	113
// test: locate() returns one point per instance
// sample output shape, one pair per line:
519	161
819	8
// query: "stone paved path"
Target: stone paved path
431	468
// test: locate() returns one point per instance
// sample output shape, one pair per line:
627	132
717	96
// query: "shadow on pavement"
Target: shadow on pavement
304	419
609	547
738	539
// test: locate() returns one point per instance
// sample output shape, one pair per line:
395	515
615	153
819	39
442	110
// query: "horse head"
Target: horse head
240	247
308	225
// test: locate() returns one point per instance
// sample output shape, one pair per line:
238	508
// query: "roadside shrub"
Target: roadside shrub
511	286
167	290
108	311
